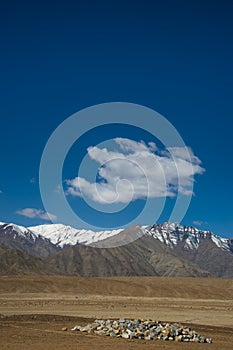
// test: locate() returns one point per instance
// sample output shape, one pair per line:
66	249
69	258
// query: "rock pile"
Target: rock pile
143	329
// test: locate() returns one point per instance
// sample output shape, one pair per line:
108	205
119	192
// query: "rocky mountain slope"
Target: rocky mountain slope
23	239
16	262
158	250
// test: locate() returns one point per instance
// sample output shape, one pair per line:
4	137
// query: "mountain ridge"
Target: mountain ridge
167	249
62	235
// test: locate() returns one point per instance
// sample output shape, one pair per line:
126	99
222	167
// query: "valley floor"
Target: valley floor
28	305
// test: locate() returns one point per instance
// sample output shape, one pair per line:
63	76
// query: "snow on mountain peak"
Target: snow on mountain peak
20	230
168	233
63	235
172	233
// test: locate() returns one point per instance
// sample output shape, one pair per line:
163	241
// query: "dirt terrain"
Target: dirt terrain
34	309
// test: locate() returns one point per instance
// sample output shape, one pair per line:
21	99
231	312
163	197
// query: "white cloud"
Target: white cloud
36	213
133	146
185	153
138	170
200	223
197	222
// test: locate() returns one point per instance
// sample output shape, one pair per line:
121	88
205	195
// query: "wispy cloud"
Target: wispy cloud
197	222
33	213
1	191
137	170
200	223
32	180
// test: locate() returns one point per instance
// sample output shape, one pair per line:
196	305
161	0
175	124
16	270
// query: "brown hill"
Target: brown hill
134	259
80	260
208	256
15	262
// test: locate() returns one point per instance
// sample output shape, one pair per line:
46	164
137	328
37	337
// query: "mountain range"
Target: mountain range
168	249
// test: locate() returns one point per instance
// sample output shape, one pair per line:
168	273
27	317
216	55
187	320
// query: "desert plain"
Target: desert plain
38	312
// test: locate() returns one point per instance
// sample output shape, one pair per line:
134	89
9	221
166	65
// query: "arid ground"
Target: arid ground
34	309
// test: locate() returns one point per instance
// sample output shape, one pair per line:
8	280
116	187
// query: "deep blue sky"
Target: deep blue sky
172	56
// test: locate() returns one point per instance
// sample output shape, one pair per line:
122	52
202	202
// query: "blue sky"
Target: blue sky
174	57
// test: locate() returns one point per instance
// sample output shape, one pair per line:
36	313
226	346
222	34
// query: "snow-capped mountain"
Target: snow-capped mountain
23	239
172	234
62	235
17	230
168	249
